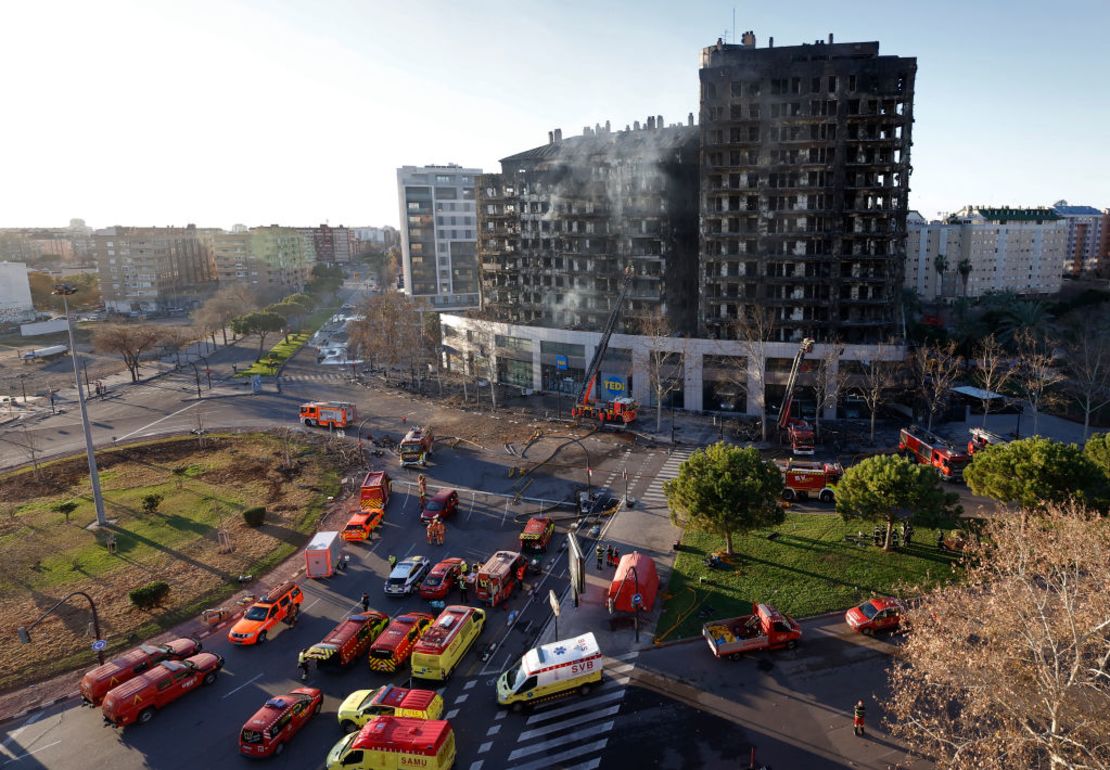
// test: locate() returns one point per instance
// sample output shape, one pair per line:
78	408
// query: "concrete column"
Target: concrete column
537	367
830	410
641	379
692	380
756	386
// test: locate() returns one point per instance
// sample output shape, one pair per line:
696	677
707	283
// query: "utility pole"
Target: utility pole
64	290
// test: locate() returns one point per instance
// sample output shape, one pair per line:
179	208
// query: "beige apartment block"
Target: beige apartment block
144	269
274	260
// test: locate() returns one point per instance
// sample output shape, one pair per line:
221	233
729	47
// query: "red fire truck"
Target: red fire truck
796	429
805	479
981	439
928	448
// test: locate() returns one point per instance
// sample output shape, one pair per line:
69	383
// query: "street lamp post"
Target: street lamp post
64	290
25	631
196	375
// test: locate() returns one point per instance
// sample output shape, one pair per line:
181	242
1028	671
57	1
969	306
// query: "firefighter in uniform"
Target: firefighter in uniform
302	663
600	554
857	717
422	489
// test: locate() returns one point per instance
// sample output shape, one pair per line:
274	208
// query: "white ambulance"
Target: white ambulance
551	671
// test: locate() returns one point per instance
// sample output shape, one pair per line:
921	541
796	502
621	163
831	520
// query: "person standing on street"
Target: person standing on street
464	589
365	601
857	717
302	663
600	554
392	562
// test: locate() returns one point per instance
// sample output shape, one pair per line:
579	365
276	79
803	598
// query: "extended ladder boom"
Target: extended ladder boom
594	368
792	381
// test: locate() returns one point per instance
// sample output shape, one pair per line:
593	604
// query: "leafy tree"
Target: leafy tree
66	508
1007	667
1097	450
177	338
884	488
261	323
217	313
326	279
726	490
1035	472
151	503
129	341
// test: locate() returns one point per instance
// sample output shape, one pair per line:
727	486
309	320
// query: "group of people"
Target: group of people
437	531
878	535
611	556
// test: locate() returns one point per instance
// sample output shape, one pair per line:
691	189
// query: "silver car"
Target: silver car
406	576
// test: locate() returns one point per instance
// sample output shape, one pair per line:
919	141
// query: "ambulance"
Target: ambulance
551	671
391	743
442	646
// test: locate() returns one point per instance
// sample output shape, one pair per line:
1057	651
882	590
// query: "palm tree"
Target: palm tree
1018	316
963	267
940	264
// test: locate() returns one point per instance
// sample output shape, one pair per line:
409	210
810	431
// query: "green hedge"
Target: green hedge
253	517
149	596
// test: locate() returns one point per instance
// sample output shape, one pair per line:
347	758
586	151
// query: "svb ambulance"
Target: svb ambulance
551	671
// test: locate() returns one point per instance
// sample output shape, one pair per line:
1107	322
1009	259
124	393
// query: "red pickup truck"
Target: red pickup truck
765	629
138	699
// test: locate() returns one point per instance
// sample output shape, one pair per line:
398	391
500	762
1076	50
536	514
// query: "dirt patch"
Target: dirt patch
184	543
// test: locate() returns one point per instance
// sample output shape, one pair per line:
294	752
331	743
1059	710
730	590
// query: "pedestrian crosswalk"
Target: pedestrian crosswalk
324	377
568	734
654	497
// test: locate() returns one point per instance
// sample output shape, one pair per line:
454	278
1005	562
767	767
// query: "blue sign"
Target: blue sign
99	645
614	385
561	363
637	600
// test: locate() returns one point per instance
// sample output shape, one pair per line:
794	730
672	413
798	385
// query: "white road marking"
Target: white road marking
573	722
29	753
461	699
578	705
554	759
477	765
451	714
493	730
470	684
310	605
240	687
30	721
591	765
501	714
485	747
554	743
162	419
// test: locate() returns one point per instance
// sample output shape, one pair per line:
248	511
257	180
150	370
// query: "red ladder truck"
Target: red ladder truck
796	429
619	410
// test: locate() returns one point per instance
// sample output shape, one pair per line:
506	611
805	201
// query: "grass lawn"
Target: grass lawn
804	567
272	362
205	485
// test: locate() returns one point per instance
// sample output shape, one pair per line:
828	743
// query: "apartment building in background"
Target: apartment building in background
331	245
439	262
1084	249
15	293
146	269
981	249
274	260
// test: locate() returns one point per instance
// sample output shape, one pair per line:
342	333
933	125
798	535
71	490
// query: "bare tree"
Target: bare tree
177	338
228	303
1088	365
30	446
389	331
878	376
665	374
1021	681
828	381
754	329
993	370
129	341
935	368
1037	375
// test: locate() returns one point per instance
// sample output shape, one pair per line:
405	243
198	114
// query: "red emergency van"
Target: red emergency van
395	644
349	640
280	718
498	577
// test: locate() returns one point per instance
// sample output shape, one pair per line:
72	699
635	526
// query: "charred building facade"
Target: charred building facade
561	223
805	156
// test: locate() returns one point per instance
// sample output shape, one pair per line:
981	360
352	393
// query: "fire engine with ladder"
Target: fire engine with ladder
982	438
928	448
795	428
619	410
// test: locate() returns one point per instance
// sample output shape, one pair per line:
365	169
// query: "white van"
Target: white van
551	671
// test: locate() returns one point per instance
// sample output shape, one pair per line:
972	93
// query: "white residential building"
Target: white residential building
982	249
15	292
439	234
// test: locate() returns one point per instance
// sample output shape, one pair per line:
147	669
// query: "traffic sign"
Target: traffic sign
637	600
99	645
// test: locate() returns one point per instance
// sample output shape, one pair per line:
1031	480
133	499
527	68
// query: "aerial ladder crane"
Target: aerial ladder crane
798	430
619	410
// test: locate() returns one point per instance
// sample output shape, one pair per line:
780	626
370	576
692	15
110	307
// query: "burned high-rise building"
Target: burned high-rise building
805	158
558	228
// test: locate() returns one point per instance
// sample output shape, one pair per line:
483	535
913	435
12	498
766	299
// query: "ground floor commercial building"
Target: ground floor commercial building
701	375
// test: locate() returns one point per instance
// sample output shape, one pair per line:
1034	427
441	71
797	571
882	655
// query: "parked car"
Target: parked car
280	718
406	576
883	613
266	613
138	699
442	504
96	683
441	579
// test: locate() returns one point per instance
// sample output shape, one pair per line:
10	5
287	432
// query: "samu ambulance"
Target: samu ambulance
551	671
